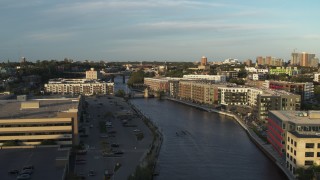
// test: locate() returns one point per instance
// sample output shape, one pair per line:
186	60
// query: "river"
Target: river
202	145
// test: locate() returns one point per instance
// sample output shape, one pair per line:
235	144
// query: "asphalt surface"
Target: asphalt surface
133	150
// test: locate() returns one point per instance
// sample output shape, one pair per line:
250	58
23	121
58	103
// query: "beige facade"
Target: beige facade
302	151
78	86
156	84
92	74
55	120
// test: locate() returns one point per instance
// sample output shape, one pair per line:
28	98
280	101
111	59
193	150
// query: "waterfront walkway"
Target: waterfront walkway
265	147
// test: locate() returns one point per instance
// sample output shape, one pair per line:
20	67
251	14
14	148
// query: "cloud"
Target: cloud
85	7
209	25
50	36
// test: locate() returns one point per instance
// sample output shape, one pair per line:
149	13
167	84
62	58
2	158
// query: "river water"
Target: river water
202	145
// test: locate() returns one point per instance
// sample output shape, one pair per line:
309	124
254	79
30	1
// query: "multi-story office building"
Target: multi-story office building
37	121
92	74
295	135
78	86
305	90
157	84
215	78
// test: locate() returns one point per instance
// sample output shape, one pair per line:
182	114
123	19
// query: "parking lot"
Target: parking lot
112	142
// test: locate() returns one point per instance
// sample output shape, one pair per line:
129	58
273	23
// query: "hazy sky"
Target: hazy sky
157	30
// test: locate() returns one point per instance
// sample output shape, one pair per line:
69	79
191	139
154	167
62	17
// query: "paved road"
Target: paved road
133	149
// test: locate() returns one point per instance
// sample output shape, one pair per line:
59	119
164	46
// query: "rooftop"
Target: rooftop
43	160
298	117
48	108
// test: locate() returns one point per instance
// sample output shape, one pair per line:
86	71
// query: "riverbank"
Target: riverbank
150	159
263	146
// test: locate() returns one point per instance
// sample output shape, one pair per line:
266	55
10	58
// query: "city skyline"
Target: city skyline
157	30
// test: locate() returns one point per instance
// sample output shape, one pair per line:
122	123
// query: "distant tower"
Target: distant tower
204	61
23	60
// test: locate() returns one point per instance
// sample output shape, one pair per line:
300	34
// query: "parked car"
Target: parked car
26	171
23	177
28	167
13	172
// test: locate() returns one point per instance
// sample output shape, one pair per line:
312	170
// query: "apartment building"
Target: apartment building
78	86
37	121
157	84
232	96
296	137
199	92
276	100
306	89
316	77
229	74
92	74
215	78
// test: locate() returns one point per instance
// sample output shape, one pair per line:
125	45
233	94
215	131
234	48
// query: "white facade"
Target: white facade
308	90
78	86
216	78
230	61
255	70
223	90
316	77
252	95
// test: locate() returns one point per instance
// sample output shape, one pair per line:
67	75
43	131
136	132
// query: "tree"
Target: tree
120	93
135	78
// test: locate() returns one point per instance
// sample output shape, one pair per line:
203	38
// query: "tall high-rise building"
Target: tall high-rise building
303	59
295	58
204	61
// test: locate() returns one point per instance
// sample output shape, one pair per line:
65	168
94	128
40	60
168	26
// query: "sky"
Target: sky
157	30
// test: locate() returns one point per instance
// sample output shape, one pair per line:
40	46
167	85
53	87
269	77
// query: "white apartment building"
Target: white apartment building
216	78
78	86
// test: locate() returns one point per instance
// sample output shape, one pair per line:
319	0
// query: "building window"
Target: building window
309	145
318	154
287	155
291	141
288	147
295	144
308	163
291	150
309	154
288	139
294	161
318	145
294	152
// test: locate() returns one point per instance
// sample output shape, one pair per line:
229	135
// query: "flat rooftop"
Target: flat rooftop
11	109
43	160
304	135
293	116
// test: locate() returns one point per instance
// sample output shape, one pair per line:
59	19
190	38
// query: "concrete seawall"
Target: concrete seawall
263	146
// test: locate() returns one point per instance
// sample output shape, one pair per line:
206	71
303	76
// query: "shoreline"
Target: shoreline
155	147
267	150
